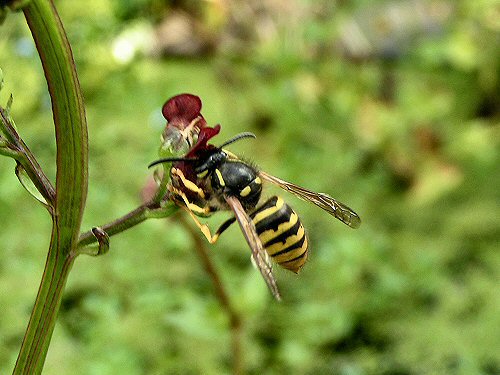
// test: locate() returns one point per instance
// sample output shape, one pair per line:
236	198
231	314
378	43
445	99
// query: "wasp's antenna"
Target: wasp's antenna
237	137
170	160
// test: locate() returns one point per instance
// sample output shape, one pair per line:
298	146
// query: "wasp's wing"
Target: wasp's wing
259	254
324	201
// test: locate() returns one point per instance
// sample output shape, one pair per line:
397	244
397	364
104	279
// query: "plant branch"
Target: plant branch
145	211
235	320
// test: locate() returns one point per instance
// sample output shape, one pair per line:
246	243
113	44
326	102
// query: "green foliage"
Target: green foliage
406	135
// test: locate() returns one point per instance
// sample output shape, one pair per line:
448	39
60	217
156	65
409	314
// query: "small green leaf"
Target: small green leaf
28	185
9	104
8	110
7	125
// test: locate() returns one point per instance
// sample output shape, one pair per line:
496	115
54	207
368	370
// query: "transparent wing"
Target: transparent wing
324	201
259	254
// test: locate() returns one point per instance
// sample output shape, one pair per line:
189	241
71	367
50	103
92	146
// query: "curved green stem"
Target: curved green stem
71	178
69	116
43	318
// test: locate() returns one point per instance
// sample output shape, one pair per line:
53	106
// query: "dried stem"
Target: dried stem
235	320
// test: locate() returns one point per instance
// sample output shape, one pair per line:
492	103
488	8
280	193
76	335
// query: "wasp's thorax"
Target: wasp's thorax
217	175
236	178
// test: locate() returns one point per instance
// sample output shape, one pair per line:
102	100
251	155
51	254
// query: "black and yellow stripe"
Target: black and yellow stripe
281	233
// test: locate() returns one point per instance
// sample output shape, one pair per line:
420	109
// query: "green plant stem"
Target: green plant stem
71	179
119	225
43	318
69	116
134	217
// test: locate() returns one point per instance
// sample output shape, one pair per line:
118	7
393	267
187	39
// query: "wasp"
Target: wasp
210	179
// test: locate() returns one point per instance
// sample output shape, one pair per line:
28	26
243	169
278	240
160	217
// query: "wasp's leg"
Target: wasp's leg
190	185
222	228
205	211
204	228
194	209
191	208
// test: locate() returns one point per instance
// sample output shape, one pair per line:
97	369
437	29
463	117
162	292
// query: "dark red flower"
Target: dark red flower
201	145
182	109
184	123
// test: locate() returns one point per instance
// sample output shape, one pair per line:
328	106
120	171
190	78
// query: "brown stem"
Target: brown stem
235	320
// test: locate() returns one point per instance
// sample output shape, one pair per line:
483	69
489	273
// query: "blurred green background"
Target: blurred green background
390	106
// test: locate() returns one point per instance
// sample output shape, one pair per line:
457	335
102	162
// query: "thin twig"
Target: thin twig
132	218
235	320
145	211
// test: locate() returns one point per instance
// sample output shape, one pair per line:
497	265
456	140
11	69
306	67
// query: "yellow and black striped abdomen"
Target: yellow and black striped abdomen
282	234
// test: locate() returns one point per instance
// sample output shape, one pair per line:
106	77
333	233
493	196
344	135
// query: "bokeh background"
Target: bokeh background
390	106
